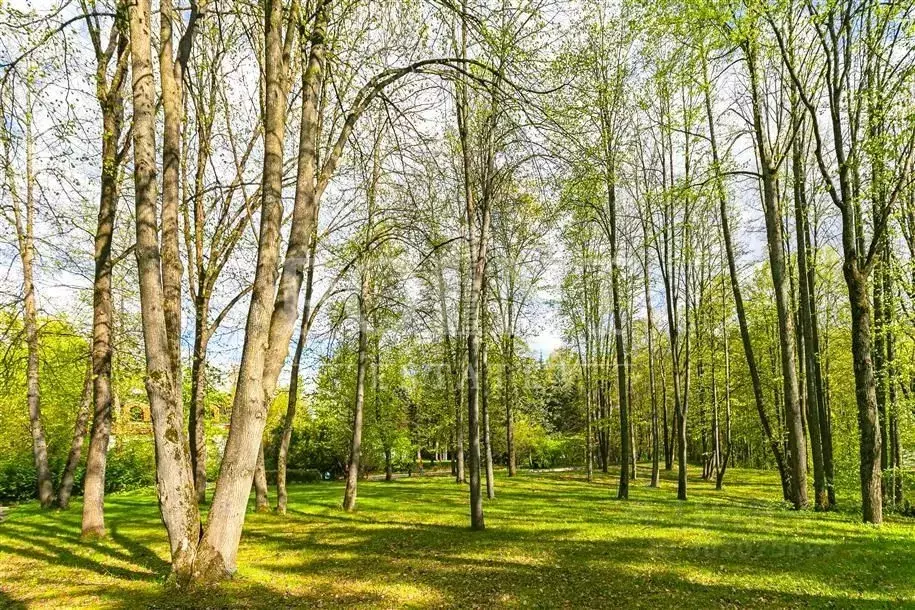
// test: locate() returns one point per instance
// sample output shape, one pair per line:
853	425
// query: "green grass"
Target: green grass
552	540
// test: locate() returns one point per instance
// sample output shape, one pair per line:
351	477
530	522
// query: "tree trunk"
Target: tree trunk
76	445
26	242
261	501
727	398
218	548
289	420
895	455
814	427
171	75
625	431
755	379
655	429
865	393
484	394
197	415
509	413
352	472
473	381
175	484
797	446
112	107
880	321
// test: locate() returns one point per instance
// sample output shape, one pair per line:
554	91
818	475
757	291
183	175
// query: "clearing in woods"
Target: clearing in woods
551	540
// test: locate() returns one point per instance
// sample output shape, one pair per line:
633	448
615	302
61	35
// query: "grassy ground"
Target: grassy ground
552	540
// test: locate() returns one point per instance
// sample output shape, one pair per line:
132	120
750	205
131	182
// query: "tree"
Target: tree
110	93
856	107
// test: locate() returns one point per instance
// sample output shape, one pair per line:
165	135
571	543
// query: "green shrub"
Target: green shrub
297	475
18	479
131	465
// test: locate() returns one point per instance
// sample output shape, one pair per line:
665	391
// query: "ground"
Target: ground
551	540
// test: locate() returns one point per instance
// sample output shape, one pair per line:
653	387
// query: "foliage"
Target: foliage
131	465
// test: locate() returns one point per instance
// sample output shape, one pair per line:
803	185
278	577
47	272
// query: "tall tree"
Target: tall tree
110	94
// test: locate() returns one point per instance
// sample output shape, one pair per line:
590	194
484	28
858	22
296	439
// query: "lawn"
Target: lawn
552	540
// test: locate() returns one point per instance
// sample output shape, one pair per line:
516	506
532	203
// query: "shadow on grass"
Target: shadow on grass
552	541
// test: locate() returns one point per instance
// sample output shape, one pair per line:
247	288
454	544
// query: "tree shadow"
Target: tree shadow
551	542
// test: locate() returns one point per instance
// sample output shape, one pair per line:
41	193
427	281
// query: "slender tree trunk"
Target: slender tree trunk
289	420
750	356
112	107
385	437
589	432
197	415
451	354
473	389
719	479
509	411
797	446
352	473
665	420
655	429
484	393
26	242
820	380
261	501
175	484
76	445
893	418
171	74
879	359
814	427
868	423
625	431
478	248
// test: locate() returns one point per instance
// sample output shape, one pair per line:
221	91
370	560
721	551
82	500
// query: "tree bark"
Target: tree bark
261	502
352	472
797	446
171	73
25	235
478	247
655	428
484	390
93	523
484	406
76	445
865	392
289	420
197	414
814	427
175	485
625	439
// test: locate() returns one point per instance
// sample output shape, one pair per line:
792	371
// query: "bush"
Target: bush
312	447
131	465
18	479
557	451
298	475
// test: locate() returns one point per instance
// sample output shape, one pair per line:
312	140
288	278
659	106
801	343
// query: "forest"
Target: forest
457	303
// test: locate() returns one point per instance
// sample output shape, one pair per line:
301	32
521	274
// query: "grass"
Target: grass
552	540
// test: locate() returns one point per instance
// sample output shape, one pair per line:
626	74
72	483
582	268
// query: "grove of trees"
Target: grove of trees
253	243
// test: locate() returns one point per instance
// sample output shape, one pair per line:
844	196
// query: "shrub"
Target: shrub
131	464
298	475
18	479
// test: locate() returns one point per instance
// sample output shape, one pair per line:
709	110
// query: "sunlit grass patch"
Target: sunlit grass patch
551	540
